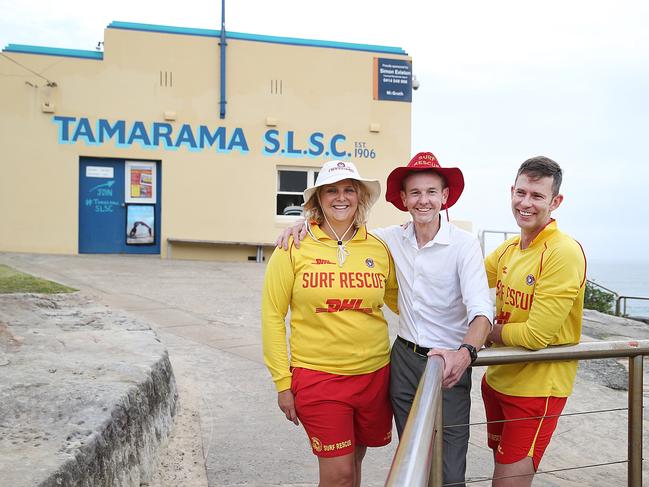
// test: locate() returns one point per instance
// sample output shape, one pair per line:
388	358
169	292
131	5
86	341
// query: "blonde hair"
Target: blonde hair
313	209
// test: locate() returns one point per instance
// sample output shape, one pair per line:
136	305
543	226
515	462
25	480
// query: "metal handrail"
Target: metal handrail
620	298
412	461
581	351
504	233
598	285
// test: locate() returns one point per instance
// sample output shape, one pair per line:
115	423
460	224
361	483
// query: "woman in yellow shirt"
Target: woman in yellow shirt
336	380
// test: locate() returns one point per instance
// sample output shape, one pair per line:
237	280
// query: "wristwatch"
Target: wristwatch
472	351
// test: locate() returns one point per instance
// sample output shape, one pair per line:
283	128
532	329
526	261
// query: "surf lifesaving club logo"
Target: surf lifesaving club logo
316	444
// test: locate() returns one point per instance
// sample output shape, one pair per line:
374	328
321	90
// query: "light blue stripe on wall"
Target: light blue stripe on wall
254	37
54	51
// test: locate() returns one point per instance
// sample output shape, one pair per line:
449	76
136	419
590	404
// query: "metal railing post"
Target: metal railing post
483	242
437	465
635	421
412	461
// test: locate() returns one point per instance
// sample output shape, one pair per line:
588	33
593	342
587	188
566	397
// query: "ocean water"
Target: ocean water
627	278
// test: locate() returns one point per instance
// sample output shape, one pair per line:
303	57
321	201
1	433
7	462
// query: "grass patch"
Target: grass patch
13	281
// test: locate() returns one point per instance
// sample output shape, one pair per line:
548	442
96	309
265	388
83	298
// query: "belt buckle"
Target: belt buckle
418	350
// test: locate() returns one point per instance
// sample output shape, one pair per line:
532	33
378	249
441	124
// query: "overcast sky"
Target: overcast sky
500	81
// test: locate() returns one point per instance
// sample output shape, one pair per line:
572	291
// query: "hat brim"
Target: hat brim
373	187
454	182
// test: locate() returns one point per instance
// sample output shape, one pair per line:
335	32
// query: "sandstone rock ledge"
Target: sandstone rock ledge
87	395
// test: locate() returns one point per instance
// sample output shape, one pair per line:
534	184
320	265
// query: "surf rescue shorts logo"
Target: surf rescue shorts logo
338	446
316	444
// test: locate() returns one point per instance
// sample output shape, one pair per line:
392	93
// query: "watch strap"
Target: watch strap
472	351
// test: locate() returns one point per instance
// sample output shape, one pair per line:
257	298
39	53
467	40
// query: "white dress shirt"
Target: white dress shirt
442	286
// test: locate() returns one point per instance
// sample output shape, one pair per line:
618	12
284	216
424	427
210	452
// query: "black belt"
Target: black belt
423	351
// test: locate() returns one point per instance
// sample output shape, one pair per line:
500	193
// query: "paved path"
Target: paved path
207	314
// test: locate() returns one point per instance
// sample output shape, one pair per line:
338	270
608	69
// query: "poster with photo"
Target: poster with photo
140	224
140	182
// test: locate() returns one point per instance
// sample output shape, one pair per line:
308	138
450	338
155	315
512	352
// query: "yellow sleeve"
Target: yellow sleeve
491	267
391	296
554	295
276	298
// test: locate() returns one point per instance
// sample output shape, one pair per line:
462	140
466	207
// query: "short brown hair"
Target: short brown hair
540	167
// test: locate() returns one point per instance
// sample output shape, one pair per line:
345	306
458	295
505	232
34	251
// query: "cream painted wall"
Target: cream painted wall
206	194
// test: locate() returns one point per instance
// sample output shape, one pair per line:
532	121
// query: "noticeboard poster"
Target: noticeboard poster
140	181
140	224
392	79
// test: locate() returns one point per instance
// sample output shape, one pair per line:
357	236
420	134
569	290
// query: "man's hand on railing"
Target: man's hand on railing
286	403
297	231
495	336
455	363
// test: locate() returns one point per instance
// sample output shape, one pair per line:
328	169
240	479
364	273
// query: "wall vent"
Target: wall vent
166	79
276	86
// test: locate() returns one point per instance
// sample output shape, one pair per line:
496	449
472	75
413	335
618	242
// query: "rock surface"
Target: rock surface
87	395
612	374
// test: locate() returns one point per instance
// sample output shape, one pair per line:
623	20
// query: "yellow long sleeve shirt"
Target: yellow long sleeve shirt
336	323
540	297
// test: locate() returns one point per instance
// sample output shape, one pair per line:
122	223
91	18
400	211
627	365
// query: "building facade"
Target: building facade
148	146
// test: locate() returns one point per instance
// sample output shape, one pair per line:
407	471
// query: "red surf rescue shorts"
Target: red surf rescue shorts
339	412
514	440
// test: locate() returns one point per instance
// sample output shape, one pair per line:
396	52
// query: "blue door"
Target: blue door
103	213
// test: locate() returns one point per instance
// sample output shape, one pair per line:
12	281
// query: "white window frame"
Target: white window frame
310	181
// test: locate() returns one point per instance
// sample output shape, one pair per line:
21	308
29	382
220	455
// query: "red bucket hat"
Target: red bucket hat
424	161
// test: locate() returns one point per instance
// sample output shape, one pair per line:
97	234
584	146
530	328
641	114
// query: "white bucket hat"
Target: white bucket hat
334	171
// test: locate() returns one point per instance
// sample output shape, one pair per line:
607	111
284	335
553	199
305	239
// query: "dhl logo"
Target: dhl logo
336	305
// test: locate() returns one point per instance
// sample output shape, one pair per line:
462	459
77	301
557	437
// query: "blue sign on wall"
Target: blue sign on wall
392	79
195	138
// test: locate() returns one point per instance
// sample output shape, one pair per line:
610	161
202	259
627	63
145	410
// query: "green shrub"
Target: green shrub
598	299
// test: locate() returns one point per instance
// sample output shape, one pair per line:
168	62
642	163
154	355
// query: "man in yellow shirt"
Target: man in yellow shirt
540	280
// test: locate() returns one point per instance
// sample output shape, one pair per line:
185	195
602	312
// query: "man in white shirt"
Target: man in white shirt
444	302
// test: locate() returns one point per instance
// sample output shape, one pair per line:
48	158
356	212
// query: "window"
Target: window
291	183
